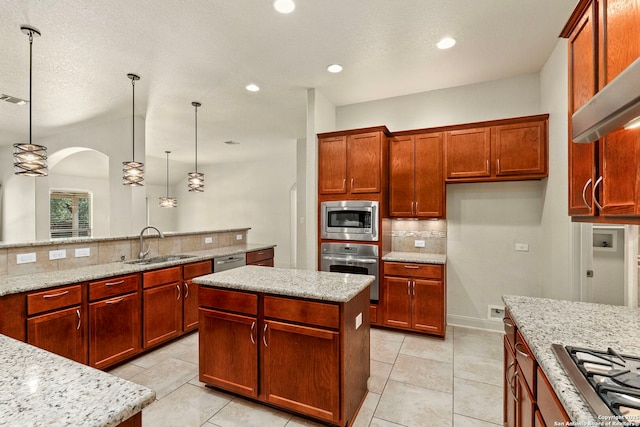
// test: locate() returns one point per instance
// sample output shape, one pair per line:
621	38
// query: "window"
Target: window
70	214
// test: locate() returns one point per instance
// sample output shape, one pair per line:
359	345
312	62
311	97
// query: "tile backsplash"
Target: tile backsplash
404	233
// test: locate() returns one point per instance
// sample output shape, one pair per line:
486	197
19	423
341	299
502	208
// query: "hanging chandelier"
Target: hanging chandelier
196	179
133	172
168	202
30	159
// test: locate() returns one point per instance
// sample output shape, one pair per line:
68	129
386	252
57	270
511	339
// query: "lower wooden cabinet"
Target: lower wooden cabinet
162	307
414	297
190	293
263	257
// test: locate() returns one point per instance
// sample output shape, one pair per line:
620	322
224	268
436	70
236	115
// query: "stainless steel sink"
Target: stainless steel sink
159	259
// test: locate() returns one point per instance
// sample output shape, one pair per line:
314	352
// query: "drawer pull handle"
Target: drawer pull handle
260	253
352	181
114	283
411	267
520	351
513	388
79	321
60	294
253	328
264	335
507	322
186	290
115	301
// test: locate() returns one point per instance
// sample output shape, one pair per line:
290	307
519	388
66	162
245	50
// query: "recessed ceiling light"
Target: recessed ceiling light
284	6
252	87
334	68
446	43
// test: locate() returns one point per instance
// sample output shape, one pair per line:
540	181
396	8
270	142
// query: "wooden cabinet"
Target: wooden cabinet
415	297
190	293
529	399
416	186
263	257
114	320
603	175
57	322
162	305
352	162
511	149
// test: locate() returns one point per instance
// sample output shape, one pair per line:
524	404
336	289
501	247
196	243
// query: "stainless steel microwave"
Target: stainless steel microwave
349	220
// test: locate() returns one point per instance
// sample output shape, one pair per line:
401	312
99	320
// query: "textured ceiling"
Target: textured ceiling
207	51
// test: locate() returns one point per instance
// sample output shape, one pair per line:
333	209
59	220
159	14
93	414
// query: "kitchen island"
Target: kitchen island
294	339
543	322
38	388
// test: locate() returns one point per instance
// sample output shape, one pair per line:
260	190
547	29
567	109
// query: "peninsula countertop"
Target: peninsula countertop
320	285
38	388
543	322
31	282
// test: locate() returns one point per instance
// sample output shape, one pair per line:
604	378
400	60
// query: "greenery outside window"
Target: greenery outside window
70	214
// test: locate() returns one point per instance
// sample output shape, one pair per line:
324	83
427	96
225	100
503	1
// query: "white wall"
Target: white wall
251	194
484	220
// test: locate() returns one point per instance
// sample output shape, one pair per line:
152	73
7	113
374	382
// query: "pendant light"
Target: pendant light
196	179
30	159
133	172
168	202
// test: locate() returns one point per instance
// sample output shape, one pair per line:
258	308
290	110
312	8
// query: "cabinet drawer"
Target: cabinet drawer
113	286
264	263
257	256
509	328
526	361
222	299
550	407
161	277
308	312
425	271
197	269
39	302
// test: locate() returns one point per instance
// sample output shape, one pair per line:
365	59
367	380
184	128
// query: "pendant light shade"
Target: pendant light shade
196	179
30	159
168	202
133	172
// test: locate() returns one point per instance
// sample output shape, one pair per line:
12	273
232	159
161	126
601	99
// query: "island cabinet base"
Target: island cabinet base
306	356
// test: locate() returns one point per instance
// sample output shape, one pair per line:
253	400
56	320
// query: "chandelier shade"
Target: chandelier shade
195	178
168	202
132	171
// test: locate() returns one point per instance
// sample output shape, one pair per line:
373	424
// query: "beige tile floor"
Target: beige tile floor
415	381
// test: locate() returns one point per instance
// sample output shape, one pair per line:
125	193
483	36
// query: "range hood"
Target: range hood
611	108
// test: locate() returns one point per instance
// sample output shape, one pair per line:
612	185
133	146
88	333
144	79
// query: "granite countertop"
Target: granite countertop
320	285
39	388
421	258
31	282
543	322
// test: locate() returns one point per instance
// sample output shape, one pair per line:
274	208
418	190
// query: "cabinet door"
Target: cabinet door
228	351
397	302
364	162
508	389
582	86
526	403
402	176
430	200
162	313
620	40
616	189
332	165
190	305
60	332
520	149
467	153
301	369
427	306
114	330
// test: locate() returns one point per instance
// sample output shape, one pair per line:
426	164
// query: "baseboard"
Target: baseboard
474	322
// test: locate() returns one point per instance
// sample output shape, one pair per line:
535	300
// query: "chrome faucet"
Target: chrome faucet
142	252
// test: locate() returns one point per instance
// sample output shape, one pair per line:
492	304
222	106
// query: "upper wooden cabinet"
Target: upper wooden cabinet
603	175
416	187
512	149
352	162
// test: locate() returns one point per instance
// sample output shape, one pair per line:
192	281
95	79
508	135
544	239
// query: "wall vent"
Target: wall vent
12	99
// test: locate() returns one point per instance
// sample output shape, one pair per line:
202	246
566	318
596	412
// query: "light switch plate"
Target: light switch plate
26	258
57	254
358	320
522	247
82	252
238	236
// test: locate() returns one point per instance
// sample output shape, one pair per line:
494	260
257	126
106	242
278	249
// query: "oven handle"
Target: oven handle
360	260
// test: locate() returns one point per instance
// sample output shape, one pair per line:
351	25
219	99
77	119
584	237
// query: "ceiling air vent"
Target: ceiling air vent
12	99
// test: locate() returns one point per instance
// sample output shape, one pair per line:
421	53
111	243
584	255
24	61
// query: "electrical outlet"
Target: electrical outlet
358	320
418	243
522	247
208	240
26	258
82	252
238	236
57	254
495	312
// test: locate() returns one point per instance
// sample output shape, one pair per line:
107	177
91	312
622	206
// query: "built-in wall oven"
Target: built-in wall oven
349	220
353	258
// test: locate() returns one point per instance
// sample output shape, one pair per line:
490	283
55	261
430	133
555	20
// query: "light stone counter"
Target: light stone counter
38	388
421	258
543	322
31	282
320	285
